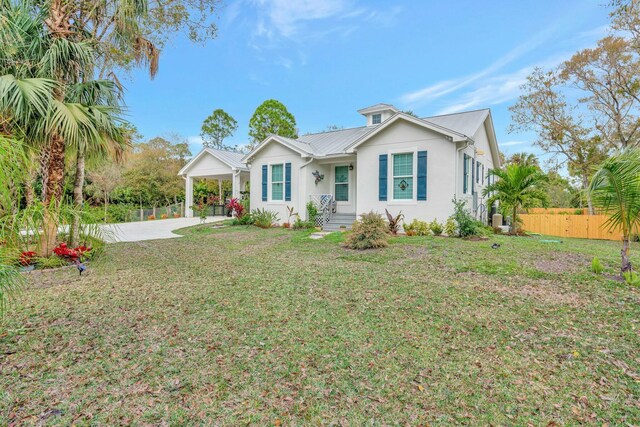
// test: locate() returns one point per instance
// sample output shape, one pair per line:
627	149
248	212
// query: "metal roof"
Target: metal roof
466	123
336	142
232	158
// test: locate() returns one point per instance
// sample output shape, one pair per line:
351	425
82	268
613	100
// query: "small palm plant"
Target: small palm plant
518	186
615	188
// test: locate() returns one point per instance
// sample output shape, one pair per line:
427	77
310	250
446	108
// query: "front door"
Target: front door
343	188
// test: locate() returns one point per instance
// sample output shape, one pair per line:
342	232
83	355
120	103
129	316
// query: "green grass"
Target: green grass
241	326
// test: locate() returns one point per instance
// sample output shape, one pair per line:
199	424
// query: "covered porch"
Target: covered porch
215	164
334	191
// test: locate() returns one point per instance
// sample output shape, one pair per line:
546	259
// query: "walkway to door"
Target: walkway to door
150	230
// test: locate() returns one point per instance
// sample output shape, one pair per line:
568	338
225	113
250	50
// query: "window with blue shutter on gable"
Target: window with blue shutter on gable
277	182
403	176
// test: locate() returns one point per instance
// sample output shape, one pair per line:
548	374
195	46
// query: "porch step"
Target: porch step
339	220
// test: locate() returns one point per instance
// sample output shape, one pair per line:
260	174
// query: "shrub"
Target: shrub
151	217
164	216
303	225
596	266
237	207
11	283
467	225
312	212
450	227
264	218
436	227
245	219
579	212
119	212
176	215
417	228
52	262
368	232
394	222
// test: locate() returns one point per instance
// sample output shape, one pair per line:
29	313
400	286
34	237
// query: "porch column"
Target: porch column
235	185
188	197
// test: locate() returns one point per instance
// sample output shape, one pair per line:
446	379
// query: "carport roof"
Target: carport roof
232	159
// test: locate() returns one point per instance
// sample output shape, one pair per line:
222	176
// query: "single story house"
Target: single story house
395	161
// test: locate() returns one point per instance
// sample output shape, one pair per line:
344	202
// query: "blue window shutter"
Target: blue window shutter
287	182
473	176
265	178
465	174
422	175
382	178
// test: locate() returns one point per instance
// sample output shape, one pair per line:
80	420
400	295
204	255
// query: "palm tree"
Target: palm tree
41	94
114	27
523	159
615	188
518	186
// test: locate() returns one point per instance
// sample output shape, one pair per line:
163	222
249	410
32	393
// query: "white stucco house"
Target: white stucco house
395	161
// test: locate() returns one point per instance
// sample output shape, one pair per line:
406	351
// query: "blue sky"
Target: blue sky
324	59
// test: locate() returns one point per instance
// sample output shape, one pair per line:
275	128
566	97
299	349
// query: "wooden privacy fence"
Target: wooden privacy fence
581	226
558	211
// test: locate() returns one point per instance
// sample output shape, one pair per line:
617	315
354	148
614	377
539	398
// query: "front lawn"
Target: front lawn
241	326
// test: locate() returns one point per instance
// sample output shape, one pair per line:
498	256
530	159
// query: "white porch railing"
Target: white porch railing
326	207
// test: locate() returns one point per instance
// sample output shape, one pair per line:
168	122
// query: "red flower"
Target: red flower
71	254
237	207
26	258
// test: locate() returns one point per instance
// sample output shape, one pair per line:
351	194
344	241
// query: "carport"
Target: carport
216	164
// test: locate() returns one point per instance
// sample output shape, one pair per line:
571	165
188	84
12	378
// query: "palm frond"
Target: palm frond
22	98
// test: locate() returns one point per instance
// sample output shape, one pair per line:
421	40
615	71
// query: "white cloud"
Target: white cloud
448	86
498	89
285	16
488	88
513	143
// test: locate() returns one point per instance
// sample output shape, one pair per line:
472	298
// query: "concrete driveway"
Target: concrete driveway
149	230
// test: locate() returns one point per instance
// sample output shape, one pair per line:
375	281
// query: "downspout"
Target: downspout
304	165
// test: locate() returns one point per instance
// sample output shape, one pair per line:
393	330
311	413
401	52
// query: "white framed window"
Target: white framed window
277	182
376	119
341	183
403	176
